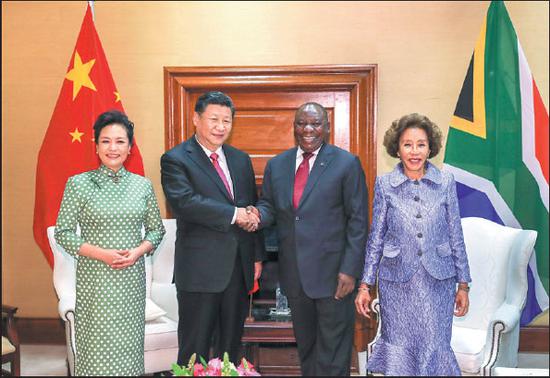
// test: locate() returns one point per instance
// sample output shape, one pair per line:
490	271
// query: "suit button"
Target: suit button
297	218
419	253
418	216
419	234
416	198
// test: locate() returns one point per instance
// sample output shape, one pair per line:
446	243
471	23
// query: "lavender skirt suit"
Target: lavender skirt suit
416	248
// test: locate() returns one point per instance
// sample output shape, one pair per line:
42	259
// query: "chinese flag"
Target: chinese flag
68	147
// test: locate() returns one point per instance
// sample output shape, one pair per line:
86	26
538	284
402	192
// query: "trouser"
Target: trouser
203	314
324	333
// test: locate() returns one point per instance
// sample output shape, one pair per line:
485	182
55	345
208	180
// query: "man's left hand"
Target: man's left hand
346	284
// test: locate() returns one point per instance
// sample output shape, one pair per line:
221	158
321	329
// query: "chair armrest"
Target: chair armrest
508	314
375	306
500	338
8	316
165	296
66	304
10	310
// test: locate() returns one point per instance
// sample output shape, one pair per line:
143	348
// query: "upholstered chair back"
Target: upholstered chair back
162	271
489	251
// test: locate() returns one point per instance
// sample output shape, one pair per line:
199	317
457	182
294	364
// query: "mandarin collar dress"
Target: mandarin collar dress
111	209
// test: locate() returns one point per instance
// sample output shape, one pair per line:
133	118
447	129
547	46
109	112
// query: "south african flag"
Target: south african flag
497	146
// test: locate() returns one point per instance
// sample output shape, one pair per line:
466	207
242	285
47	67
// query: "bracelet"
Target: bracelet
464	288
364	288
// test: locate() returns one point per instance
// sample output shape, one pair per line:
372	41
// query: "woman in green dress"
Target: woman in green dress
111	206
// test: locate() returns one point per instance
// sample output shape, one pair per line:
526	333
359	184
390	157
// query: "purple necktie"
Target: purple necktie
214	156
300	180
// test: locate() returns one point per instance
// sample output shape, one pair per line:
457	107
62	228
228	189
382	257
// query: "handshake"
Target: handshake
248	218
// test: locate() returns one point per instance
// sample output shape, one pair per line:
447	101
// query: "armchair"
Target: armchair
10	341
161	309
488	336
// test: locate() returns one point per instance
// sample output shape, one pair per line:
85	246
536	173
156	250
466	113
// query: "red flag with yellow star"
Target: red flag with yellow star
68	147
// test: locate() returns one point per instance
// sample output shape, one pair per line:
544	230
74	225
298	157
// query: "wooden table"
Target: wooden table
270	345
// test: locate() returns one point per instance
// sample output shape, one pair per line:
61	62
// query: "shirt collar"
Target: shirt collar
398	177
219	151
103	170
104	174
300	152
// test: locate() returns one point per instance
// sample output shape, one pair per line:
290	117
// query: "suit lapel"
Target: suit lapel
321	163
197	154
290	169
233	171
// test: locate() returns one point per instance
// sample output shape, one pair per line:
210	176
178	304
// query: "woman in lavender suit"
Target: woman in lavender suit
416	248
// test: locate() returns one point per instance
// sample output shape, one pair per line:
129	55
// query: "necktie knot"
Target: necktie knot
214	156
307	155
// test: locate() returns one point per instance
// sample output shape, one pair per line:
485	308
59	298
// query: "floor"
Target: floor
49	360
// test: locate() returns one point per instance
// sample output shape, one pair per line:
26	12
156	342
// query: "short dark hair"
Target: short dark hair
414	120
111	117
214	98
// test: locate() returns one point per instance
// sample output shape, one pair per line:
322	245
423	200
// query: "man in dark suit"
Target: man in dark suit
208	184
317	196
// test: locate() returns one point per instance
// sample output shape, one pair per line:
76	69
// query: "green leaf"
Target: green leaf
192	360
180	371
203	362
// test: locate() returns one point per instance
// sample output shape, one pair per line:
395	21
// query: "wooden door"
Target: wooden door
266	99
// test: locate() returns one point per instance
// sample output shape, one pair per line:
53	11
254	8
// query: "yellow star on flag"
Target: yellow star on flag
76	135
117	96
80	74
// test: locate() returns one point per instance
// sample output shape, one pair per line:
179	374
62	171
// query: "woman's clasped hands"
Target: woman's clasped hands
120	258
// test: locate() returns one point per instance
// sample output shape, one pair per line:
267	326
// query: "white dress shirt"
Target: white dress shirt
300	158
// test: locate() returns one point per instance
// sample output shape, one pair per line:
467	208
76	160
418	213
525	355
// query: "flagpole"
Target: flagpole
91	4
250	318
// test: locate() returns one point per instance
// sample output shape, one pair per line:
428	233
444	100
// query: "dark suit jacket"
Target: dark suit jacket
206	242
327	233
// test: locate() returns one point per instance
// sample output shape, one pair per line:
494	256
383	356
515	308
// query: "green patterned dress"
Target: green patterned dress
111	209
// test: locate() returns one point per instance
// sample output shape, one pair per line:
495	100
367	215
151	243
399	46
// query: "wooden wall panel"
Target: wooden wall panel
266	99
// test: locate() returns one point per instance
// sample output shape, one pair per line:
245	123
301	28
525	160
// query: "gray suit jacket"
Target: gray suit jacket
327	233
416	223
